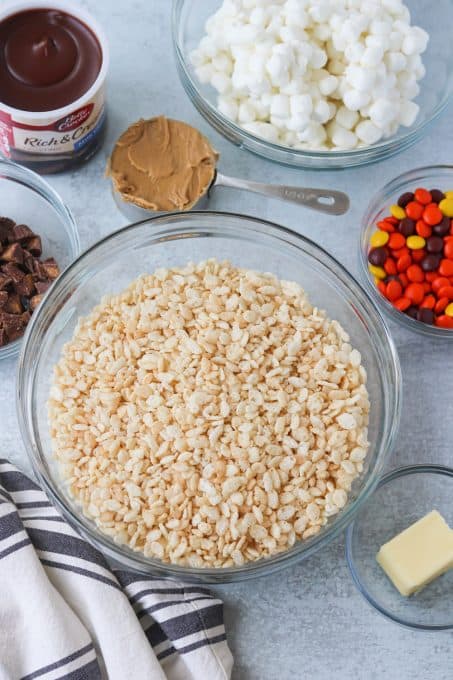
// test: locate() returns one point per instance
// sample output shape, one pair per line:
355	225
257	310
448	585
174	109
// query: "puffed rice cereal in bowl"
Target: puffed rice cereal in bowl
209	415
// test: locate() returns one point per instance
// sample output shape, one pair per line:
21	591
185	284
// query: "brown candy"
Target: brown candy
21	233
13	253
24	278
34	246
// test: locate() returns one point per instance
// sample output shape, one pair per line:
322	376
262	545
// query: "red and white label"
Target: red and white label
63	136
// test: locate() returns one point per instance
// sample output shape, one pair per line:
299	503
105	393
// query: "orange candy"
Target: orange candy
414	210
418	255
415	292
448	250
402	304
404	280
429	302
444	321
441	304
439	282
390	266
402	251
396	241
403	262
405	284
446	268
382	287
415	273
423	196
431	276
385	225
446	292
432	214
423	229
394	290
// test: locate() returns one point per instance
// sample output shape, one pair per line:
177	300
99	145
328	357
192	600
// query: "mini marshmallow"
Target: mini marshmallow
342	138
264	130
321	111
382	113
347	118
372	56
301	104
355	100
314	73
328	85
229	107
408	112
395	61
221	82
246	112
361	79
314	133
367	132
280	106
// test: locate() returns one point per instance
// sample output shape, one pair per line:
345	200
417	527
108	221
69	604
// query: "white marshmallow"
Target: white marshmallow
314	73
246	113
221	82
372	56
229	107
355	100
361	79
264	130
342	138
346	118
328	85
280	106
395	61
408	113
382	112
321	111
367	132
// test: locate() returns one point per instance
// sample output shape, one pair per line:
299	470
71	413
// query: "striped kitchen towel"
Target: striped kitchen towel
65	614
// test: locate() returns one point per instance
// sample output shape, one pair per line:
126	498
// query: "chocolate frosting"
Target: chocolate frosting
162	164
48	59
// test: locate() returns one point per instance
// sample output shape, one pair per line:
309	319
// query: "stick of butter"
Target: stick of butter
419	554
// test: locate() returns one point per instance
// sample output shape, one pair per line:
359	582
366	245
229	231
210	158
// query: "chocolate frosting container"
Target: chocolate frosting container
53	66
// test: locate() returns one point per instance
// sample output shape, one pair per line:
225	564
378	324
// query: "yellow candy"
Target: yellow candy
448	194
446	206
449	310
415	242
397	212
379	239
377	272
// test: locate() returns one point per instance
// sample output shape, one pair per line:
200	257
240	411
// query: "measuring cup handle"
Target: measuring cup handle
323	200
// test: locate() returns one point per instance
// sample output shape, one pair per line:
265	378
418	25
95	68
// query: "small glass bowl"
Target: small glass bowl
431	177
26	198
188	21
174	239
402	497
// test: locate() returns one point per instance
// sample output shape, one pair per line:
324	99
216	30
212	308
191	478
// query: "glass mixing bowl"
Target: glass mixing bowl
27	199
402	497
171	240
189	18
430	177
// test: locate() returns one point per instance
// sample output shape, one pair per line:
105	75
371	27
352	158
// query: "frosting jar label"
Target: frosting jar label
67	135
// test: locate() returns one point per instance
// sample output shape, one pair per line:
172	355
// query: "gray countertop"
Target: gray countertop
307	621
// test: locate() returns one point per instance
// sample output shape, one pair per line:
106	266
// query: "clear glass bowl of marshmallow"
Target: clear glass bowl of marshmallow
327	84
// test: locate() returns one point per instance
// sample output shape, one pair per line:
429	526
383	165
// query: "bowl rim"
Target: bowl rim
301	158
396	184
398	473
27	368
11	171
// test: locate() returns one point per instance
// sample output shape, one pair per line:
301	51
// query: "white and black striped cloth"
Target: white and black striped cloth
65	614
